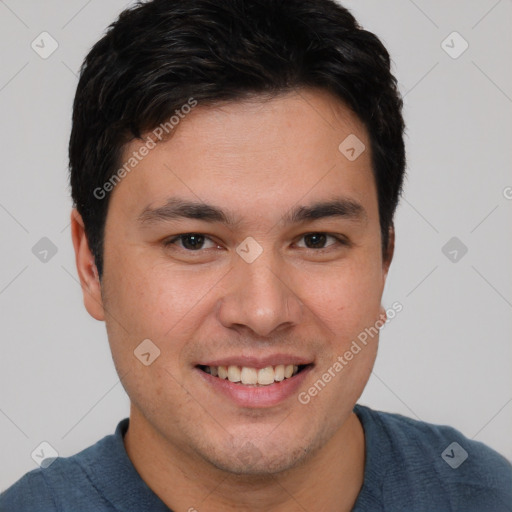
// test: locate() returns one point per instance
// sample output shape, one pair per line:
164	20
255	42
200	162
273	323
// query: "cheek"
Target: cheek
156	301
346	297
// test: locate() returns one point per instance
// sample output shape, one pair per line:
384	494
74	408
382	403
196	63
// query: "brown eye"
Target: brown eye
318	240
315	240
191	241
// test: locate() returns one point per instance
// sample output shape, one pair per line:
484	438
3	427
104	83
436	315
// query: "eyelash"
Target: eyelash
340	241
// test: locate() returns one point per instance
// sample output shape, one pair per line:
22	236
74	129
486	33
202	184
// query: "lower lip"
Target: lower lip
257	396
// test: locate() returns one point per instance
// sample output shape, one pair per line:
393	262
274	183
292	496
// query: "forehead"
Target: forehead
260	153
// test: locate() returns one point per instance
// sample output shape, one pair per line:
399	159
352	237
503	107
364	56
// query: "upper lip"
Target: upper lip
258	362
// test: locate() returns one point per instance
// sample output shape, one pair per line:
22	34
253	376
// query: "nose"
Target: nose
260	298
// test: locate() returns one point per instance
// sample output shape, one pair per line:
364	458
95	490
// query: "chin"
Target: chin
250	462
266	457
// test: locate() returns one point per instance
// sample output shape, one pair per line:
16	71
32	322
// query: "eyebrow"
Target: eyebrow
176	208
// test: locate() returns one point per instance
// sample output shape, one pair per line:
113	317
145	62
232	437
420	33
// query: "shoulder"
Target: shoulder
66	483
51	489
437	461
441	442
30	493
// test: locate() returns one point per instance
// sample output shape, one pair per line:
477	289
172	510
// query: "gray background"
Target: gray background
446	358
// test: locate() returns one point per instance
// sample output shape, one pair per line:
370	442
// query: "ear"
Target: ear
86	267
387	257
389	251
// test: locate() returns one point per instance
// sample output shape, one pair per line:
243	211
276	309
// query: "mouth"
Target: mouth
260	385
249	376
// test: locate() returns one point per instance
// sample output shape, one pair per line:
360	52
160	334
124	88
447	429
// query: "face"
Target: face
247	240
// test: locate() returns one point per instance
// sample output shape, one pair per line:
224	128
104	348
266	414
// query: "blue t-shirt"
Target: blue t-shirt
410	466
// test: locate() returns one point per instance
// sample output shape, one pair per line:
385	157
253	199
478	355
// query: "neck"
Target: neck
330	480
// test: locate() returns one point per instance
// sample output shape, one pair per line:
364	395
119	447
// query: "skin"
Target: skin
256	160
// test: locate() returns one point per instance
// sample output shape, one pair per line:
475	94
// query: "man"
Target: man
235	168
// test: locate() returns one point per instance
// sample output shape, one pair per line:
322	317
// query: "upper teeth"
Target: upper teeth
248	376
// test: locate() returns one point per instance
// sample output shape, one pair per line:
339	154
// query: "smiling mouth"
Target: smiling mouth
248	376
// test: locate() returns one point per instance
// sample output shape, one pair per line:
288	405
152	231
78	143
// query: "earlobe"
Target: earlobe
86	267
